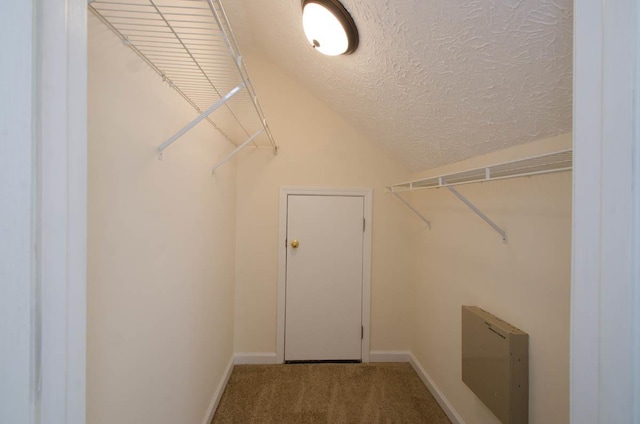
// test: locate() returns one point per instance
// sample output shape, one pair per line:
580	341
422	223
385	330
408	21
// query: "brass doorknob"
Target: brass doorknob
295	244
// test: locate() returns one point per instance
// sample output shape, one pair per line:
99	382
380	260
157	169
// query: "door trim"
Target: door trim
367	195
61	114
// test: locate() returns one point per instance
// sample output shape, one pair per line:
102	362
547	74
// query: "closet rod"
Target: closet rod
236	150
202	116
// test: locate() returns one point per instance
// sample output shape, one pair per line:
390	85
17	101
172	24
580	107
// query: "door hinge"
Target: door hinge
362	332
364	224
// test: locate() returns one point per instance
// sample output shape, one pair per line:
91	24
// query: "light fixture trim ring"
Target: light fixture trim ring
345	19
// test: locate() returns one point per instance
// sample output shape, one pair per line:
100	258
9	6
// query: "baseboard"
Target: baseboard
435	391
389	356
217	395
255	358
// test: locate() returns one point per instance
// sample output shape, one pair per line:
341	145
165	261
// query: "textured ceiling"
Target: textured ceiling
433	81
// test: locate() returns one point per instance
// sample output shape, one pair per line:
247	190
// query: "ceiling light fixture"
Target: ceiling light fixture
329	27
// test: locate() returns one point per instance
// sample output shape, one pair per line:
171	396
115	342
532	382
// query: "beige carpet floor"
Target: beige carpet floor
327	393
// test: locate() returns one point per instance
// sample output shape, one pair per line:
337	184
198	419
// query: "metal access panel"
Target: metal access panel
495	364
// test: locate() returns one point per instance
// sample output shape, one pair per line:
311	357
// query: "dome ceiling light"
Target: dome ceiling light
329	27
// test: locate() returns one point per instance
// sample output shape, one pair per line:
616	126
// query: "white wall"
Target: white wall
463	261
317	149
161	247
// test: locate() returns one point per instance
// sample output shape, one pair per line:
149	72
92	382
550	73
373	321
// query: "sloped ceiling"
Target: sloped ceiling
432	81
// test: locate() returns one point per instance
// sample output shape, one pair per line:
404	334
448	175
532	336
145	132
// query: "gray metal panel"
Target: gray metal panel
495	364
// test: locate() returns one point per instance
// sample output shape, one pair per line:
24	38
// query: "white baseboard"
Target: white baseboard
217	395
256	358
389	356
435	391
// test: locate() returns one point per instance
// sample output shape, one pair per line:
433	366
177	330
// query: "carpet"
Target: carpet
327	393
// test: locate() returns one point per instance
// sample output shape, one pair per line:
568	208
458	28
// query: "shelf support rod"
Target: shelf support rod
236	150
202	116
414	210
479	213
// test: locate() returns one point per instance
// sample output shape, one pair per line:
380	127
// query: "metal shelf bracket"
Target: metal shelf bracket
236	150
201	117
414	210
478	212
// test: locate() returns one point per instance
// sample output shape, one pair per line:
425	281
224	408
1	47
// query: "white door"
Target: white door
323	302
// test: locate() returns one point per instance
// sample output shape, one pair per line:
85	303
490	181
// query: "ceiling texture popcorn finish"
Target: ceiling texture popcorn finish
432	82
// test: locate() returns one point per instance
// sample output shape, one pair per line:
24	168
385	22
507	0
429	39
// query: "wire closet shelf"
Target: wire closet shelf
190	44
536	165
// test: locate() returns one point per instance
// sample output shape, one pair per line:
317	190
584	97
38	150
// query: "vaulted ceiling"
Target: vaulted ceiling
432	81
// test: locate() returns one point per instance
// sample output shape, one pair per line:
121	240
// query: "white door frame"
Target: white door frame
367	194
605	288
62	241
18	177
44	120
62	217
